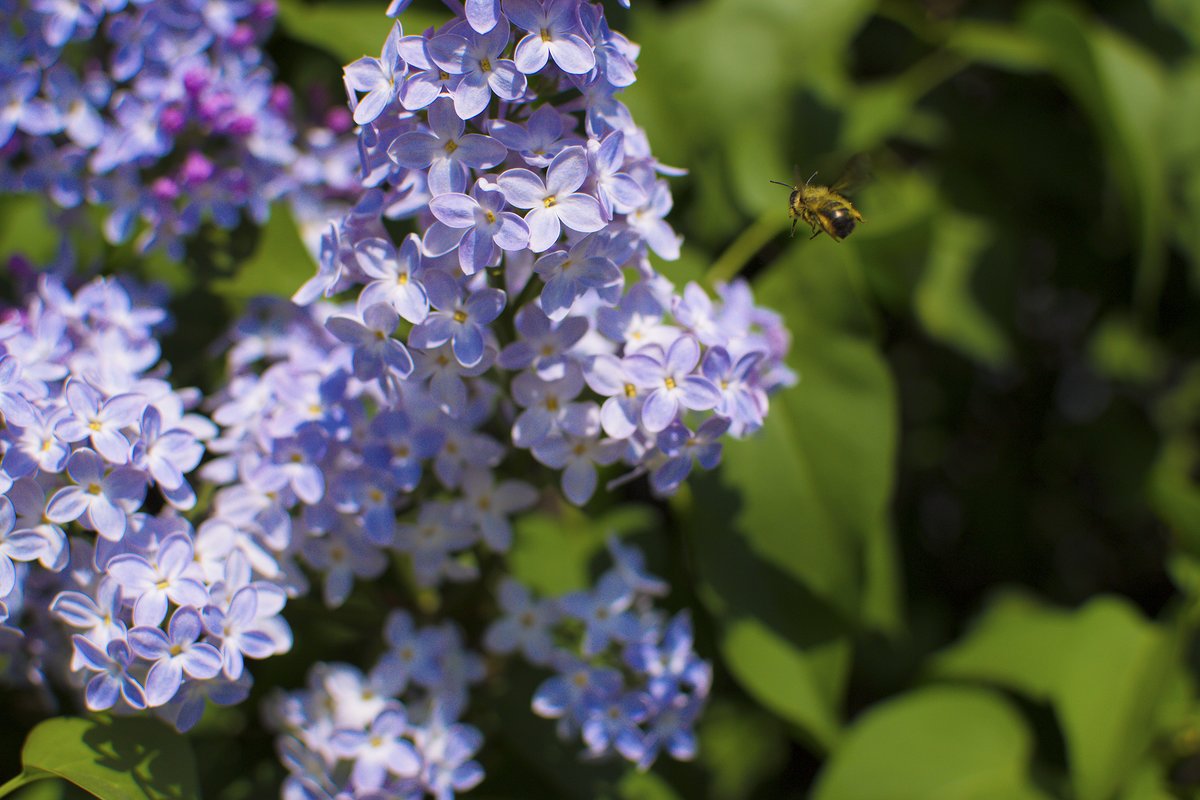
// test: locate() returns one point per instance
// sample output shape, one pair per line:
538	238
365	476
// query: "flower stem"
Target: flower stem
24	779
749	241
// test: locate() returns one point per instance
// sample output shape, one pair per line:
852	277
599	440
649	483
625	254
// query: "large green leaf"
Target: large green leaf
119	759
799	684
1016	643
792	548
740	746
279	266
1114	672
933	744
944	301
556	553
348	30
1109	674
1123	88
26	230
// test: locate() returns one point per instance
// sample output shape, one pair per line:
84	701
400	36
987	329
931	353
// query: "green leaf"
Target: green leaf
1016	643
128	758
944	301
741	746
562	552
1111	676
348	30
1124	352
1123	88
792	547
280	264
998	45
1174	493
801	685
645	786
26	230
933	744
1113	673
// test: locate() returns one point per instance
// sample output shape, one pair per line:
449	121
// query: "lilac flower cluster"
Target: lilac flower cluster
95	439
630	681
394	732
465	133
164	112
317	458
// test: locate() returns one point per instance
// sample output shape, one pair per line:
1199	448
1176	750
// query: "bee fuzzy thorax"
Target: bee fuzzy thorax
824	208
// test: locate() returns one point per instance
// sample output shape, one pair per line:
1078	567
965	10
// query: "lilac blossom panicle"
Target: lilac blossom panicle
496	274
647	703
394	731
165	113
112	598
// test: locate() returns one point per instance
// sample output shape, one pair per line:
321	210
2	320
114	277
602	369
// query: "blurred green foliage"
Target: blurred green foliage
963	558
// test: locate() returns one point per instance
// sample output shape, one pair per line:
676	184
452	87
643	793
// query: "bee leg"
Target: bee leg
794	221
816	233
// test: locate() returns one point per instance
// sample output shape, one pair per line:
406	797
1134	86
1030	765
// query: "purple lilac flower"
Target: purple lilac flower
376	354
112	680
446	150
17	410
554	32
554	203
377	77
99	420
682	447
151	582
457	320
577	457
544	345
378	751
396	277
525	624
603	612
173	654
476	225
669	385
18	546
100	497
477	58
570	274
539	140
238	630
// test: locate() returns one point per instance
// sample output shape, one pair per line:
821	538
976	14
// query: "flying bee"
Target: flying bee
825	208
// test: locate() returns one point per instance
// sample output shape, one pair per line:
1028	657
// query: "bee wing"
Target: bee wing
856	173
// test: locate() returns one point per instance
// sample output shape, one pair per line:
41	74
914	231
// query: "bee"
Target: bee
825	208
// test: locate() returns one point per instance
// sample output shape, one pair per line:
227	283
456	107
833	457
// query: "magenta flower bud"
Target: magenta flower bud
339	120
265	11
195	81
196	169
242	36
172	120
241	125
281	99
165	189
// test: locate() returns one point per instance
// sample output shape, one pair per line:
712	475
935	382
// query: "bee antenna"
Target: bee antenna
810	177
781	183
